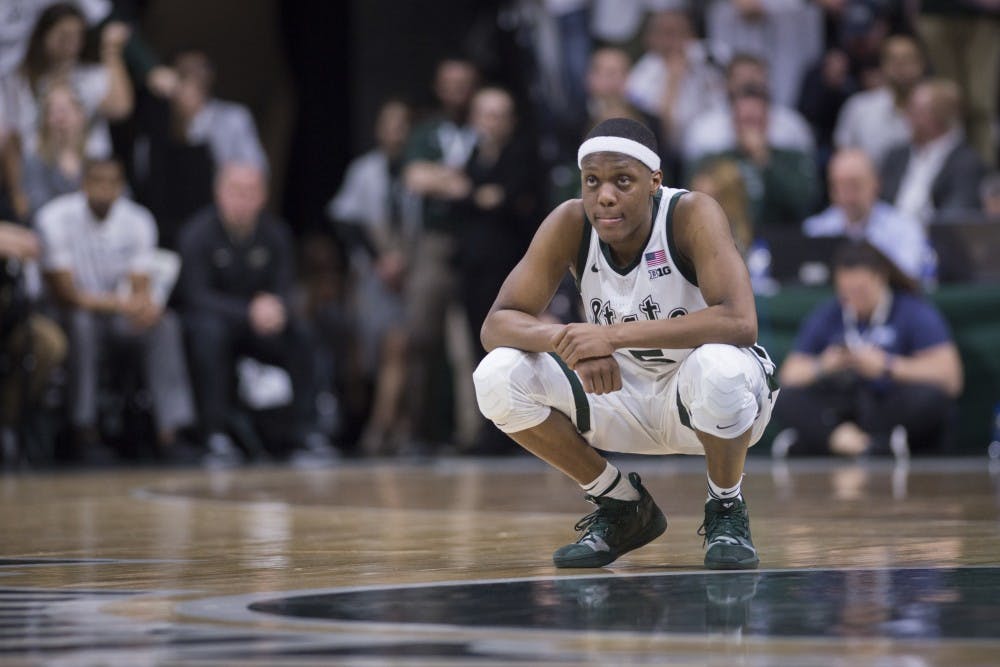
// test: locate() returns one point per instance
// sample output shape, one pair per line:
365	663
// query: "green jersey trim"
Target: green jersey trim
683	263
579	395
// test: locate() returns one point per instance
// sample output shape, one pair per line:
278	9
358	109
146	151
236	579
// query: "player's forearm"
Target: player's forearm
513	328
716	324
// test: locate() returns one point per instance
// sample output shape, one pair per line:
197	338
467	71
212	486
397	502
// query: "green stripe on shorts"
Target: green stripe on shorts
579	395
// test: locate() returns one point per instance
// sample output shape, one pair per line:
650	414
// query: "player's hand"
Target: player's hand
600	375
577	341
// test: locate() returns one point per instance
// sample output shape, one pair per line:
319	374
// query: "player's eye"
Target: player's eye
591	181
624	180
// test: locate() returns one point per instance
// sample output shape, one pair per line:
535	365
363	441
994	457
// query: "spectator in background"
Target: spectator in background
98	264
876	120
675	80
827	85
435	156
857	213
500	212
781	183
713	131
607	89
236	288
989	195
785	34
53	55
963	42
873	370
184	140
57	167
377	214
938	172
499	217
31	346
227	128
18	19
860	28
722	180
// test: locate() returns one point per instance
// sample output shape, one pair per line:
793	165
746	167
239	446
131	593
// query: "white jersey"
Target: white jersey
657	285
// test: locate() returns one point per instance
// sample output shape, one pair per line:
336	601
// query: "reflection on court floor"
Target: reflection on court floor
449	563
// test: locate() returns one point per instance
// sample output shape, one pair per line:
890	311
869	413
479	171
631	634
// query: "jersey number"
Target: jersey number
654	356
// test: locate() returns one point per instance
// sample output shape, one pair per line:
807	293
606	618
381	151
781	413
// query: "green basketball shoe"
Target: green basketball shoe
614	528
727	536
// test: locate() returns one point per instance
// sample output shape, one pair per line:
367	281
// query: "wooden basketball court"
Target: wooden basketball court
449	563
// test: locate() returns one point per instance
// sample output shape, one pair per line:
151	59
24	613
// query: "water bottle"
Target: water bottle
994	448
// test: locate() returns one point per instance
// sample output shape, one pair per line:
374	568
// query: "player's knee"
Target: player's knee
718	386
506	390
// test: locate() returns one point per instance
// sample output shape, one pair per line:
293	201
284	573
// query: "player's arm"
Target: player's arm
513	320
703	237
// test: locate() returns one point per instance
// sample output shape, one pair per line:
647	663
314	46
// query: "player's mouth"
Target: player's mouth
609	221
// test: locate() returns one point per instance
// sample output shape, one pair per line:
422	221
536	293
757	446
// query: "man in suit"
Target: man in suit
937	171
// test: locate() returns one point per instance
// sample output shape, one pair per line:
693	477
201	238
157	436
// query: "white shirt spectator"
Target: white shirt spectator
703	86
229	131
914	195
789	37
900	237
713	132
101	254
20	107
871	121
364	196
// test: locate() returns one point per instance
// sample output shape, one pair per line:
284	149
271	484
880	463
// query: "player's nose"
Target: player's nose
606	195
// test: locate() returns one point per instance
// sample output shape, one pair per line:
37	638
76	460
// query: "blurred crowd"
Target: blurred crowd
155	307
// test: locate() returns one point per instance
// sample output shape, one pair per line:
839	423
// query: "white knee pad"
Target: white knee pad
509	389
719	386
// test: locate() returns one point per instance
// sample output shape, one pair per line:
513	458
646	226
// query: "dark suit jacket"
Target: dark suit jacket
956	187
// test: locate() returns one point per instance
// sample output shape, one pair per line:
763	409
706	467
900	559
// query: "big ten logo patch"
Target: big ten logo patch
656	264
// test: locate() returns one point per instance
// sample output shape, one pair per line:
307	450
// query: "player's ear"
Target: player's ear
655	181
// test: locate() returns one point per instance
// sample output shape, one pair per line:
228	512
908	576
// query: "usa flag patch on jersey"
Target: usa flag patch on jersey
656	258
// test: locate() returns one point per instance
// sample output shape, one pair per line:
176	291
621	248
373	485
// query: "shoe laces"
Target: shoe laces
731	521
598	522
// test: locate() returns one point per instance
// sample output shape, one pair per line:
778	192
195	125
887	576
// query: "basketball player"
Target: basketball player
667	363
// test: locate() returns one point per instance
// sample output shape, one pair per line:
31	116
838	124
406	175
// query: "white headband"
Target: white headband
622	145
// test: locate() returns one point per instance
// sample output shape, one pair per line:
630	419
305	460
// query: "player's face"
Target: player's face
617	192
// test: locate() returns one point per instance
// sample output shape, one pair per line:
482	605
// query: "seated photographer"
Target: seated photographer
872	371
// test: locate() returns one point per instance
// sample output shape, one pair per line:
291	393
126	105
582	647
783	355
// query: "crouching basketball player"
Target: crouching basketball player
667	364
